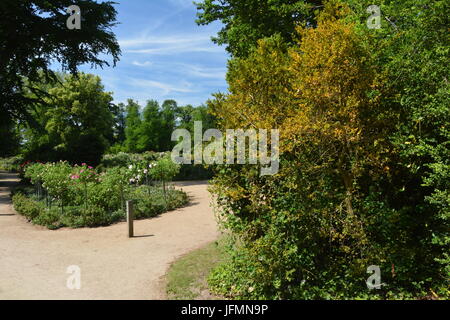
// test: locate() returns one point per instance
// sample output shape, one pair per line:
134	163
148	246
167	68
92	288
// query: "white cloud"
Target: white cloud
165	88
203	72
142	64
175	50
170	44
182	3
144	39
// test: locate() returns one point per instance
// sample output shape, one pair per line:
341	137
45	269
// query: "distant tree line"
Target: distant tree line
78	122
49	116
150	128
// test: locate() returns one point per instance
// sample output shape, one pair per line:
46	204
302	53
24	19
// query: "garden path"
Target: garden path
34	260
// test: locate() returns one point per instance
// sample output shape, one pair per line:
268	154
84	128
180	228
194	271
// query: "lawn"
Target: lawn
187	277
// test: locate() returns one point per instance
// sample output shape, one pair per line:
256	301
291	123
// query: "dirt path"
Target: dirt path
34	260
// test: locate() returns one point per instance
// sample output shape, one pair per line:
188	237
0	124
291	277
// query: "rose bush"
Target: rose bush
80	196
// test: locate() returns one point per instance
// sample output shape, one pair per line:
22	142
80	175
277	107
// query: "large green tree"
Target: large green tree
150	129
416	58
119	112
132	126
247	21
10	139
187	115
75	122
33	33
412	50
168	117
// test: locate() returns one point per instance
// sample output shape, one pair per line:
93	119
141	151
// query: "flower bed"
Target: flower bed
79	196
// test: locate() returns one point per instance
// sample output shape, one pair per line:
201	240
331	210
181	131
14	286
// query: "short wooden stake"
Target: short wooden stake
130	218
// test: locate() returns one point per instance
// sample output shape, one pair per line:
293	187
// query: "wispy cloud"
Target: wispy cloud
185	69
182	3
175	50
165	88
145	39
203	72
142	64
165	55
170	44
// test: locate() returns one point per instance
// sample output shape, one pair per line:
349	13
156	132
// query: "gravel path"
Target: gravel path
34	260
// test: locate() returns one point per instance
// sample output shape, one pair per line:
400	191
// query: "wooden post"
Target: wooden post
130	218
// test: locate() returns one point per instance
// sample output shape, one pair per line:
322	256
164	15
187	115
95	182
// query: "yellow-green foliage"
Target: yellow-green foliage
312	230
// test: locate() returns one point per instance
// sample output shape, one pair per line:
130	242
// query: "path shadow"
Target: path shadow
7	182
189	183
190	204
5	199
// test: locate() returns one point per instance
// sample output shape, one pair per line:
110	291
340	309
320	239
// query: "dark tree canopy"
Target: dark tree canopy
33	34
248	21
9	141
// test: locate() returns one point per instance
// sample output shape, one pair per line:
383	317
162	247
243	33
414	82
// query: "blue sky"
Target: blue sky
165	55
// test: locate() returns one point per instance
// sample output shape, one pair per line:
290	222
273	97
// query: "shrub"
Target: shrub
364	173
164	169
79	197
96	216
11	164
55	178
150	202
27	207
123	159
50	218
111	190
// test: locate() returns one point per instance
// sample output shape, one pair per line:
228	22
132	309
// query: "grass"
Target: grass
187	277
